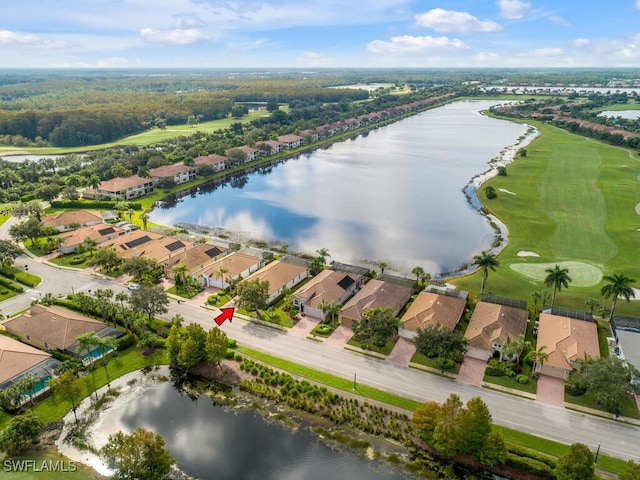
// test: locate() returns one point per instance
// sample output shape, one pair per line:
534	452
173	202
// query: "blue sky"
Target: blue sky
319	33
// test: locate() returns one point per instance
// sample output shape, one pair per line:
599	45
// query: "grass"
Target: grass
384	350
54	408
422	359
71	260
323	330
574	201
181	293
331	380
508	382
628	406
67	470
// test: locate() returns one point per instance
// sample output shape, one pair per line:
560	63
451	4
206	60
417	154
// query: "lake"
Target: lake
392	195
225	443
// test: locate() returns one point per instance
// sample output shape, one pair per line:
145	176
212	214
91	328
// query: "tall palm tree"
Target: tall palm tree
382	266
485	261
618	285
592	303
557	277
536	297
418	271
145	218
180	273
221	272
87	342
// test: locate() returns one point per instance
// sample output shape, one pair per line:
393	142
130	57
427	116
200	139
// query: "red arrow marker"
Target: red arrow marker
227	314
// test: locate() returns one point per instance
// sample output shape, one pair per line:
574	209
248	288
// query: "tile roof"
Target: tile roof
130	240
327	285
16	357
56	326
209	159
567	339
196	257
434	310
94	232
492	323
277	273
123	183
71	216
170	170
235	262
377	293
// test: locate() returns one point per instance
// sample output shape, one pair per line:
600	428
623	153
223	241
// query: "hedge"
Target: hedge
97	204
26	279
10	285
529	465
125	342
540	457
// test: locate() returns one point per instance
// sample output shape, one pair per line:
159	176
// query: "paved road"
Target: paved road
616	439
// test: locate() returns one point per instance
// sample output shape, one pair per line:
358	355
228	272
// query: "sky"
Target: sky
319	33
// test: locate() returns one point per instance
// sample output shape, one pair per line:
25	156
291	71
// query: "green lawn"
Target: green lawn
575	202
181	293
74	260
508	382
628	405
422	359
384	350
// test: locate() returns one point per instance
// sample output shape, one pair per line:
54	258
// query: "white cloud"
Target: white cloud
175	36
314	59
638	4
449	21
581	42
7	37
547	52
559	21
187	20
409	44
513	9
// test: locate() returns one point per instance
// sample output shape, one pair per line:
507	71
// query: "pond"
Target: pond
226	443
392	195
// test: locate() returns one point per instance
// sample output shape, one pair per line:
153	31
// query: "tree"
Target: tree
180	273
608	379
216	346
378	326
442	342
331	310
93	181
323	253
618	285
557	277
485	261
425	418
447	432
69	387
253	294
106	258
150	301
173	343
382	266
538	356
143	269
144	218
418	271
576	465
475	428
140	455
29	229
9	251
592	303
86	343
21	430
193	346
536	297
490	192
221	272
513	349
632	472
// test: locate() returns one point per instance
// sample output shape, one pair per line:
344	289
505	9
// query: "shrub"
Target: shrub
529	465
212	299
238	358
522	379
125	342
494	372
4	292
575	387
10	285
540	457
446	363
232	343
26	279
229	354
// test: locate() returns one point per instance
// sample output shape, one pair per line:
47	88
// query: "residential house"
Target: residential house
195	258
71	219
567	340
180	173
271	146
625	342
17	360
251	153
234	265
160	248
290	141
328	286
433	309
314	135
376	293
130	240
56	328
125	188
280	275
492	325
218	162
99	233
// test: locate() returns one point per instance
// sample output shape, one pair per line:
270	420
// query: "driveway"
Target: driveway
340	336
550	390
304	326
472	371
402	352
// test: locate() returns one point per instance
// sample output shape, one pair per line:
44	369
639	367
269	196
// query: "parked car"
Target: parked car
133	286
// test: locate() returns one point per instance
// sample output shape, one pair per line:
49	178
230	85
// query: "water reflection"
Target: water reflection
394	196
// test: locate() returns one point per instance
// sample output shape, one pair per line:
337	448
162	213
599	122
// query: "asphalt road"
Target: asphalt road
616	439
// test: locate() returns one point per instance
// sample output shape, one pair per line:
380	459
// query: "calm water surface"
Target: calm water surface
394	195
211	442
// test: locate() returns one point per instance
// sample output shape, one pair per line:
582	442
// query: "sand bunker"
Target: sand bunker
582	274
506	191
638	209
527	253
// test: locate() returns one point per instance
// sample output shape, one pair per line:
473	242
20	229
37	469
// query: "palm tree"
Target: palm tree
145	218
130	213
618	285
557	277
592	303
538	356
87	341
330	310
323	253
221	272
536	297
180	273
485	261
93	181
418	271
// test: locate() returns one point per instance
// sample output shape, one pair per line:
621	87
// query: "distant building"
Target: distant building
71	219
